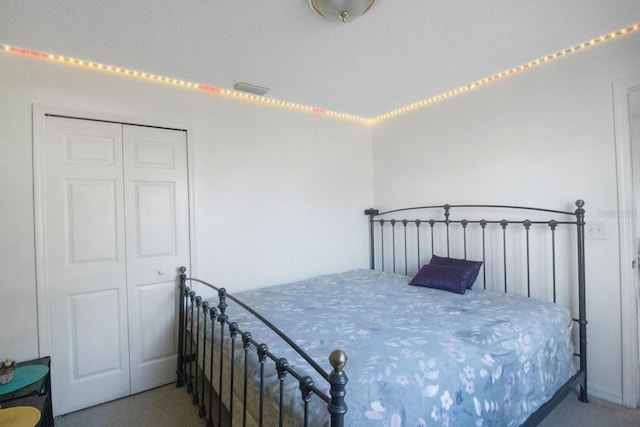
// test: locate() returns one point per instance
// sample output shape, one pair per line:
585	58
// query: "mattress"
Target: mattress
416	356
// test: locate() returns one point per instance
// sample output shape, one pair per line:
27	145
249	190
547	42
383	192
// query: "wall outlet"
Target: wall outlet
595	230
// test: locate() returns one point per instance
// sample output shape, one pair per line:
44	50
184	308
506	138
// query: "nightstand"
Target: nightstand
31	386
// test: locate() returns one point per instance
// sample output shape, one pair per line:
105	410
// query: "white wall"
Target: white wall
264	176
544	137
279	194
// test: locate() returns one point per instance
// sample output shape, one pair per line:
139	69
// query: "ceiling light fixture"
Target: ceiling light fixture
343	10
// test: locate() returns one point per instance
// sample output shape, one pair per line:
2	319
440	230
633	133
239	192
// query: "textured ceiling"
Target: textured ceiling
401	52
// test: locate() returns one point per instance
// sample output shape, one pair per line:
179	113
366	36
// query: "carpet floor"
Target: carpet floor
169	406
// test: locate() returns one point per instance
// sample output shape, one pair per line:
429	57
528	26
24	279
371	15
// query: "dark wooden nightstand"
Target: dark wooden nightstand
36	394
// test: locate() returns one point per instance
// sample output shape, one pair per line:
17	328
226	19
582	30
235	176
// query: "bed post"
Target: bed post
338	381
372	260
182	286
582	318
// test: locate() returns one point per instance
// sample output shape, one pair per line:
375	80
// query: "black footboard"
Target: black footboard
217	384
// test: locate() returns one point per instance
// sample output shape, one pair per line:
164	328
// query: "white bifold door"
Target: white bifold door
114	227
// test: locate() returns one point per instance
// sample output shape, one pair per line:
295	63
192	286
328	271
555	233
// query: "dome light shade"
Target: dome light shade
341	10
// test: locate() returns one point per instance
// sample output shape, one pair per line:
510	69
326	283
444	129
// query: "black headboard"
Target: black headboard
518	241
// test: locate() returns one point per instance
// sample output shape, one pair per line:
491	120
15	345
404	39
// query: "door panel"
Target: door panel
156	303
157	221
91	220
85	262
95	353
90	150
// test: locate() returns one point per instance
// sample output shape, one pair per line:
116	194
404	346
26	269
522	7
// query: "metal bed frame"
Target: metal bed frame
193	308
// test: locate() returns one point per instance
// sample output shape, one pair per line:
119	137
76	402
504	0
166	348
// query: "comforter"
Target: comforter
416	356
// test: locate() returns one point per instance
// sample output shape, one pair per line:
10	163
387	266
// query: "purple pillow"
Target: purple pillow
473	266
444	277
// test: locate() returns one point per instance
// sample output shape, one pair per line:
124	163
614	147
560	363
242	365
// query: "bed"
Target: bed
366	348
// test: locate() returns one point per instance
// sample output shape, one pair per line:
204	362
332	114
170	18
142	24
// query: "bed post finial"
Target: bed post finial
338	360
338	380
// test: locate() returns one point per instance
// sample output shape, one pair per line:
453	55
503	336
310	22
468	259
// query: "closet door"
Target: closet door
85	262
114	228
157	223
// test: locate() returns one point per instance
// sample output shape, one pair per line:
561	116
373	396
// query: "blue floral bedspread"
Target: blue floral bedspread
418	356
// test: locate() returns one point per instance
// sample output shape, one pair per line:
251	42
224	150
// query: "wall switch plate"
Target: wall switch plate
596	230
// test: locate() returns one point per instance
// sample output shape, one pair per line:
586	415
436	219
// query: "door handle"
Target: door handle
161	272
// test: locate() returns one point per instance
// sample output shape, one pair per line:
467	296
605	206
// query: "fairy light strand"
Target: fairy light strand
181	83
503	74
315	110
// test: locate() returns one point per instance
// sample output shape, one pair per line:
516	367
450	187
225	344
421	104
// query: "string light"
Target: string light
503	74
315	110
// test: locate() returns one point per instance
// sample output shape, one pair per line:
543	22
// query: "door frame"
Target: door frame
39	113
627	225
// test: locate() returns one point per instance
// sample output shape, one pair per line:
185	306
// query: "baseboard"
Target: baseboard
605	395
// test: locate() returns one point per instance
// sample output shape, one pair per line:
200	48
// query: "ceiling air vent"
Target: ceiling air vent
250	88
